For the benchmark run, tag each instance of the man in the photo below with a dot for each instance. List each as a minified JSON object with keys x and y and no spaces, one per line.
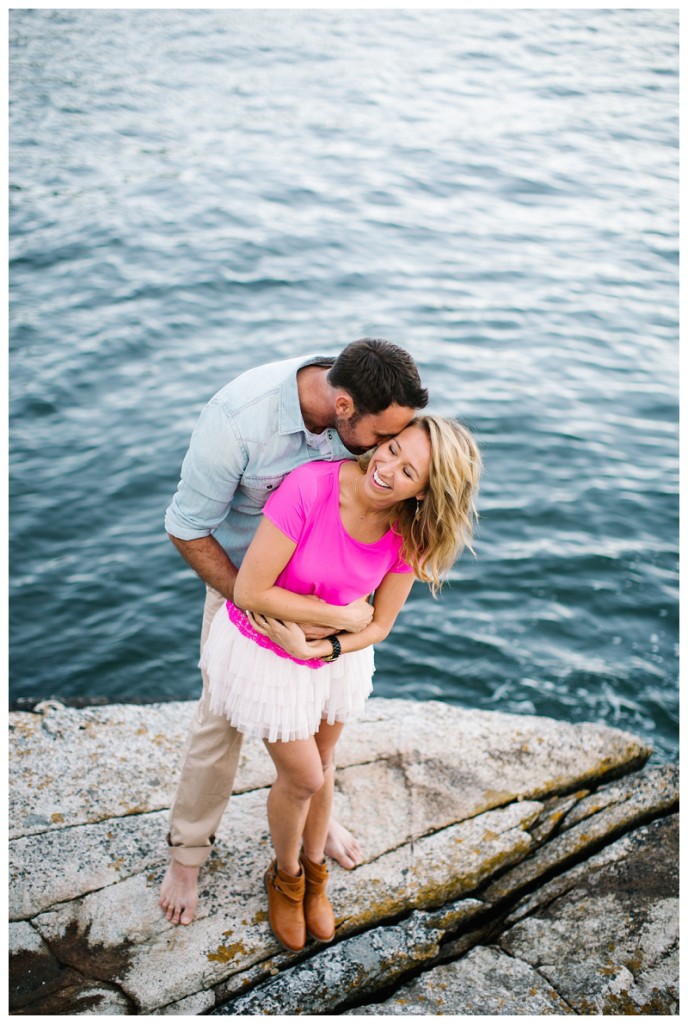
{"x":250,"y":435}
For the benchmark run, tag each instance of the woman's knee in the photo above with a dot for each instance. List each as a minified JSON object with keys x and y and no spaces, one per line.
{"x":304,"y":781}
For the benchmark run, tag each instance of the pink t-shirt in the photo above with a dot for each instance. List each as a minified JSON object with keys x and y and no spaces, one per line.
{"x":328,"y":562}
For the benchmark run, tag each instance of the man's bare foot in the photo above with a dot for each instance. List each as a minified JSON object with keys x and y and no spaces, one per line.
{"x":342,"y":846}
{"x":179,"y":892}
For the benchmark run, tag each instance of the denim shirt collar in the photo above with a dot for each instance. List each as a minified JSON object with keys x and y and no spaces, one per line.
{"x":291,"y":418}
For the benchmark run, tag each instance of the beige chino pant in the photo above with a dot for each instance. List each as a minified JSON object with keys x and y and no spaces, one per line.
{"x":208,"y":770}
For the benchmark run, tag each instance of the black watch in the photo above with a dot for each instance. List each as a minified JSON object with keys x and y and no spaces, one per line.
{"x":336,"y":648}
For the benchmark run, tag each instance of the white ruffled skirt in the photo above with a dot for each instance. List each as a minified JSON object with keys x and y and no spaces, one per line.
{"x":275,"y":698}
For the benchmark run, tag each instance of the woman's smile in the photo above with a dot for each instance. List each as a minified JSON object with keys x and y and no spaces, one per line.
{"x":379,"y":482}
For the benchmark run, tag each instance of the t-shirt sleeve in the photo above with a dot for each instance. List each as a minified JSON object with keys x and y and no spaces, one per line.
{"x":289,"y":506}
{"x":400,"y":566}
{"x":398,"y":563}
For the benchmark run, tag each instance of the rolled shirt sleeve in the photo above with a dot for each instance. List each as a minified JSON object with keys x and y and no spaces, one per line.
{"x":211,"y":471}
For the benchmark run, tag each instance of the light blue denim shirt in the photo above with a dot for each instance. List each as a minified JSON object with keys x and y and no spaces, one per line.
{"x":248,"y":437}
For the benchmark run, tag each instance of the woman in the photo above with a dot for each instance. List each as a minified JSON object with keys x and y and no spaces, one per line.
{"x":333,"y":533}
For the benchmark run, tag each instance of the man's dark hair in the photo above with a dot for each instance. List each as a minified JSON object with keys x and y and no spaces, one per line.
{"x":378,"y":374}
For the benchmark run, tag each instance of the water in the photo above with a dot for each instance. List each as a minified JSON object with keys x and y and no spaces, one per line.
{"x":195,"y":192}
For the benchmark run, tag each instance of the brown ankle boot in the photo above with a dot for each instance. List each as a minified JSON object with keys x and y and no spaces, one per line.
{"x":285,"y":907}
{"x":319,"y":914}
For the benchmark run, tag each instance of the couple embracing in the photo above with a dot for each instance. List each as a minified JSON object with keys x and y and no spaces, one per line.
{"x":308,"y":555}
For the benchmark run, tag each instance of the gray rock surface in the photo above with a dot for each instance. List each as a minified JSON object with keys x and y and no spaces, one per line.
{"x":362,"y":964}
{"x":486,"y":981}
{"x":599,"y":939}
{"x":608,"y":941}
{"x":465,"y":818}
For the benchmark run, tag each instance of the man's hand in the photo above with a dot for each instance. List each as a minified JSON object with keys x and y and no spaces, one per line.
{"x":358,"y":614}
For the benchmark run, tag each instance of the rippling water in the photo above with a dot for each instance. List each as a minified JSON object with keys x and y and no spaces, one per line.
{"x":195,"y":192}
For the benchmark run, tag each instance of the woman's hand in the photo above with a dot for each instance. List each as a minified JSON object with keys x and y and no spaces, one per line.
{"x":358,"y":615}
{"x":287,"y":635}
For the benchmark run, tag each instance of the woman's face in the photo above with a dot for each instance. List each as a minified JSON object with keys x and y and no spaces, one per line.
{"x":400,"y":468}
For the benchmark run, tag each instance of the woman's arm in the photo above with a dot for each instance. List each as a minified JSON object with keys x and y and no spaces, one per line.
{"x":255,"y":590}
{"x":389,"y":599}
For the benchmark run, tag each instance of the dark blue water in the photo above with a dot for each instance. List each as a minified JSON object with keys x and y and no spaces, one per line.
{"x":195,"y":192}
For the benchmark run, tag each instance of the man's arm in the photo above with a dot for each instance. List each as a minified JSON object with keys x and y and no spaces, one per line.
{"x":209,"y":561}
{"x":212,"y":468}
{"x":389,"y":599}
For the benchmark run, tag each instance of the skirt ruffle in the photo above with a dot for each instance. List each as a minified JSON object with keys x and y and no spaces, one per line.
{"x":274,"y":698}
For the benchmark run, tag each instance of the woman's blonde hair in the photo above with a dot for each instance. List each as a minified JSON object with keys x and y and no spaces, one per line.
{"x":436,"y":529}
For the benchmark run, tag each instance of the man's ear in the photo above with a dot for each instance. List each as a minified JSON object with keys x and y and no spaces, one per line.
{"x":344,"y":405}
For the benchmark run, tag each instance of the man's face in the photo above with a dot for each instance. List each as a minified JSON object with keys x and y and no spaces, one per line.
{"x":360,"y":433}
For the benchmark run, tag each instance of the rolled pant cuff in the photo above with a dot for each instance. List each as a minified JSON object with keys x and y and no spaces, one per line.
{"x":190,"y":856}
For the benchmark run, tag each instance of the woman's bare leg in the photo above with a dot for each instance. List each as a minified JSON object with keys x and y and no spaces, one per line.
{"x":317,"y":823}
{"x":299,"y":777}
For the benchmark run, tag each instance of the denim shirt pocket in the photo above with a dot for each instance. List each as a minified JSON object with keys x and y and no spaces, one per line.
{"x":254,"y":491}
